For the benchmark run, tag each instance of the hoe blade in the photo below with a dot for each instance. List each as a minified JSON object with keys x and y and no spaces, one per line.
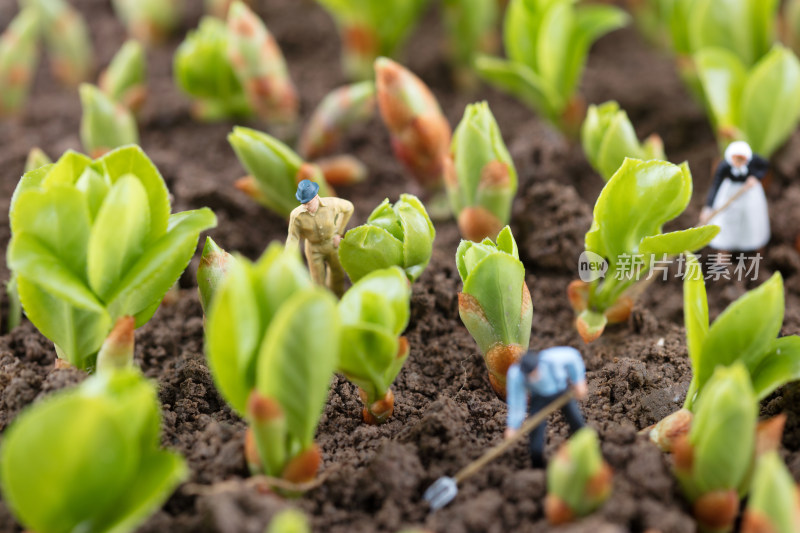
{"x":441,"y":492}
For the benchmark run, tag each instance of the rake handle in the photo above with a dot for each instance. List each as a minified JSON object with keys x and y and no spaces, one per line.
{"x":727,"y":204}
{"x":526,"y":428}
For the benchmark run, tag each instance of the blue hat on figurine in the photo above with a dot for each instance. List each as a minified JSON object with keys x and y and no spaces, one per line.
{"x":306,"y":191}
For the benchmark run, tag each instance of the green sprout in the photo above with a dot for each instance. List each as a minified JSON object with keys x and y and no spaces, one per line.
{"x":714,"y":461}
{"x":94,"y":241}
{"x":203,"y":72}
{"x":214,"y":265}
{"x":608,"y":138}
{"x":274,"y":170}
{"x":235,"y":70}
{"x":471,"y":30}
{"x":480,"y":175}
{"x":578,"y":479}
{"x":394,"y":235}
{"x":341,"y":109}
{"x":746,"y":331}
{"x":547,"y":44}
{"x":746,"y":28}
{"x":774,"y":503}
{"x":374,"y":312}
{"x":289,"y":521}
{"x":626,"y":234}
{"x":125,"y":79}
{"x":739,"y":106}
{"x":419,"y":130}
{"x":371,"y":29}
{"x":149,"y":21}
{"x":19,"y":55}
{"x":67,"y":39}
{"x":105,"y":124}
{"x":111,"y":477}
{"x":272,"y":342}
{"x":259,"y":64}
{"x":495,"y":303}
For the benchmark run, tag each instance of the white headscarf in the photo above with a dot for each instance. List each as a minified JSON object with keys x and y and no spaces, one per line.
{"x":738,"y":148}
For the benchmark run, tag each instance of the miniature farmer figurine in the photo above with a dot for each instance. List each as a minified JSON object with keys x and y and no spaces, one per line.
{"x":321,"y":222}
{"x":743,"y":221}
{"x":544,"y":375}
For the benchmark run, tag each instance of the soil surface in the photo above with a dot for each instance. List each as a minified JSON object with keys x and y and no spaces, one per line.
{"x":446,"y":413}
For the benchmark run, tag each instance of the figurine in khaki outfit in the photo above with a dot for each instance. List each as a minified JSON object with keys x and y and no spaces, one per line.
{"x":321,"y":222}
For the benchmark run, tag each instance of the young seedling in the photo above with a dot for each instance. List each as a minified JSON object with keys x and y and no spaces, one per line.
{"x":608,"y":138}
{"x":495,"y":303}
{"x":747,"y":331}
{"x":67,"y":40}
{"x":342,"y":169}
{"x":272,"y":342}
{"x":125,"y":79}
{"x":394,"y":235}
{"x":758,"y":104}
{"x":547,"y":44}
{"x":235,"y":70}
{"x":19,"y":55}
{"x":420,"y":132}
{"x":111,"y":477}
{"x":94,"y":241}
{"x":480,"y":175}
{"x":578,"y":479}
{"x":214,"y":265}
{"x":745,"y":28}
{"x":626,"y":237}
{"x":274,"y":170}
{"x":471,"y":27}
{"x":374,"y":312}
{"x":774,"y":503}
{"x":149,"y":21}
{"x":105,"y":124}
{"x":341,"y":109}
{"x":258,"y":62}
{"x":370,"y":29}
{"x":202,"y":70}
{"x":713,"y":462}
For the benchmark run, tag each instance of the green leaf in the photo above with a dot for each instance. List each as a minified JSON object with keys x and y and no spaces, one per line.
{"x":744,"y":331}
{"x":60,"y":488}
{"x":497,"y":284}
{"x":66,"y":170}
{"x":770,"y":109}
{"x":234,"y":330}
{"x":676,"y":242}
{"x":555,"y":37}
{"x":520,"y":31}
{"x":368,"y":248}
{"x":506,"y":242}
{"x":778,"y":367}
{"x":76,"y":332}
{"x":367,"y":351}
{"x":695,"y":310}
{"x":773,"y":495}
{"x":57,"y":218}
{"x":386,"y":289}
{"x":298,"y":357}
{"x":523,"y":83}
{"x":418,"y":235}
{"x":118,"y":234}
{"x":723,"y":76}
{"x":160,"y":266}
{"x":278,"y":275}
{"x":634,"y":204}
{"x":131,"y":160}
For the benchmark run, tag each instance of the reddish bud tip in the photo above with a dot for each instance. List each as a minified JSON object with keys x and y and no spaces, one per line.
{"x":303,"y":466}
{"x":578,"y":295}
{"x":557,"y":511}
{"x":769,"y":434}
{"x":495,"y":175}
{"x":263,"y":409}
{"x":477,"y":223}
{"x":377,"y":412}
{"x":717,"y":510}
{"x":620,"y":311}
{"x":498,"y":360}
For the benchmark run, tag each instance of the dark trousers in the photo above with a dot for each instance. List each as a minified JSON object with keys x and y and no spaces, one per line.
{"x":571,"y":412}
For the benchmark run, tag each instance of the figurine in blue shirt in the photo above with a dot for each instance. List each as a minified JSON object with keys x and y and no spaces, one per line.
{"x":544,"y":375}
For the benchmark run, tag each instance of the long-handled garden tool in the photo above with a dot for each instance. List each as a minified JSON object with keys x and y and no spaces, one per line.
{"x":445,"y":488}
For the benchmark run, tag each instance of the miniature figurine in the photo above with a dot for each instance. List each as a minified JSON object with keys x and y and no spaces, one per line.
{"x":321,"y":223}
{"x":545,"y":376}
{"x":736,"y":201}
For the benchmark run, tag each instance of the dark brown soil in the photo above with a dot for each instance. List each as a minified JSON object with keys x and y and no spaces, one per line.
{"x":446,"y":413}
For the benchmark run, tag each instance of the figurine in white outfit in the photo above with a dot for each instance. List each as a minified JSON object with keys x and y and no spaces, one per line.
{"x":744,"y":224}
